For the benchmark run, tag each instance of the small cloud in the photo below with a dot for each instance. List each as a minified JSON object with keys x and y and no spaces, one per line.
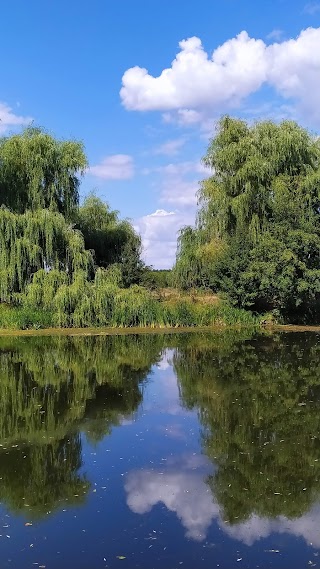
{"x":312,"y":8}
{"x":275,"y":35}
{"x":171,"y":147}
{"x":9,"y":120}
{"x":159,"y":231}
{"x":183,"y":117}
{"x":116,"y":167}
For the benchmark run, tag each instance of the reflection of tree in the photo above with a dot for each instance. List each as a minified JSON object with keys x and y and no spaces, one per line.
{"x":259,"y":405}
{"x":49,"y":389}
{"x":39,"y":478}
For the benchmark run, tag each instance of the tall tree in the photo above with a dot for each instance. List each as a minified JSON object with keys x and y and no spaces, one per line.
{"x":39,"y":171}
{"x":257,"y":235}
{"x":34,"y":241}
{"x":112,"y":240}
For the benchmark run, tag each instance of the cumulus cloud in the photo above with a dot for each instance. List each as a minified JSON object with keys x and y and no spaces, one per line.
{"x":181,"y":487}
{"x":159,"y":236}
{"x":8,"y":119}
{"x":115,"y":167}
{"x":198,"y":85}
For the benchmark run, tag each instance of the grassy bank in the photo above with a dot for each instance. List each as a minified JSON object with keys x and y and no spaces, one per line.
{"x":127,"y":308}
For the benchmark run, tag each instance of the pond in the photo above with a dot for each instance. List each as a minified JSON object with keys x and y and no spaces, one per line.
{"x":196,"y":450}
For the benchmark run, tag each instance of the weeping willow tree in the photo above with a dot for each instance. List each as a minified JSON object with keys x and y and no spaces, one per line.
{"x":38,"y":171}
{"x":257,"y":235}
{"x":40,"y":240}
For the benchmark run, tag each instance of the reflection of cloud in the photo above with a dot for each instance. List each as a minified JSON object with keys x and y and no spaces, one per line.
{"x":182,"y":490}
{"x":174,"y":431}
{"x":257,"y":528}
{"x":180,"y":485}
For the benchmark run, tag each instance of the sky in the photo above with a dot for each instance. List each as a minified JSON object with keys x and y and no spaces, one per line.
{"x":142,"y":84}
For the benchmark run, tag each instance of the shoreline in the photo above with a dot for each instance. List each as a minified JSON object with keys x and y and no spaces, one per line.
{"x":156,"y":330}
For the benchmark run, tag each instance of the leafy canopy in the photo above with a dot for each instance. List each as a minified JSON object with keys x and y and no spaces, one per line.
{"x":46,"y":238}
{"x":257,"y":236}
{"x":39,"y":171}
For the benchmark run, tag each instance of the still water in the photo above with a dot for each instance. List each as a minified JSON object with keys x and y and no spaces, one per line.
{"x":160,"y":451}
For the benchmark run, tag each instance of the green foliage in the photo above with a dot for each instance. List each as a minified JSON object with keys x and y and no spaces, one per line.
{"x":34,"y":241}
{"x":103,"y":303}
{"x":24,"y":318}
{"x":59,"y":263}
{"x":113,"y":241}
{"x":37,"y":171}
{"x":258,"y":228}
{"x":155,"y":279}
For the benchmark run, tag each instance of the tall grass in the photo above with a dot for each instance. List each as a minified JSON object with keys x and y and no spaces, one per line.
{"x":50,"y":301}
{"x":24,"y":318}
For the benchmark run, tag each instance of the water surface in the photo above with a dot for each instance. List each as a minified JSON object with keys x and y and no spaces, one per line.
{"x":198,"y":450}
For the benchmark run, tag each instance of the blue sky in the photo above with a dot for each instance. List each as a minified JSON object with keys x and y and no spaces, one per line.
{"x":65,"y":62}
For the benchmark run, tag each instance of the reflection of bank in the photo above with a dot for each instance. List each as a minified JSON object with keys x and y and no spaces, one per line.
{"x":50,"y":390}
{"x":181,"y":487}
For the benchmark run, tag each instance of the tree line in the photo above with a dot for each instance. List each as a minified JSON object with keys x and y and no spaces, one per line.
{"x":256,"y":240}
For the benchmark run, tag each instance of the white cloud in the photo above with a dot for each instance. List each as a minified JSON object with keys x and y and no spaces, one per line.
{"x":10,"y":120}
{"x":179,"y":182}
{"x":176,"y":190}
{"x":159,"y":236}
{"x":171,"y":147}
{"x":312,"y":8}
{"x":178,"y":185}
{"x":116,"y":167}
{"x":181,"y":487}
{"x":276,"y":35}
{"x":198,"y":85}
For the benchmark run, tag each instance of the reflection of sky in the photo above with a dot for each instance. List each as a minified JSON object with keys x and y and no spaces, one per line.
{"x":163,"y":395}
{"x":149,"y":503}
{"x":180,"y":485}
